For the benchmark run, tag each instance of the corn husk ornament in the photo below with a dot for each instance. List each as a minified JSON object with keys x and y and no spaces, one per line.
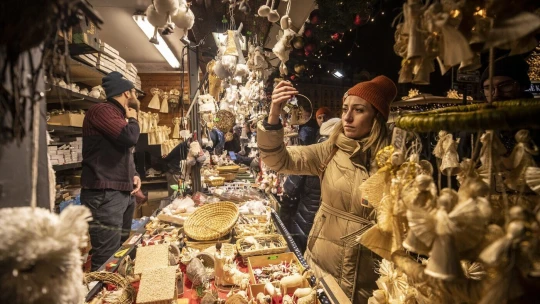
{"x":515,"y":33}
{"x":501,"y":255}
{"x":446,"y":152}
{"x":491,"y":156}
{"x":230,"y":57}
{"x":164,"y":103}
{"x":176,"y":130}
{"x":384,"y":237}
{"x":154,"y":102}
{"x":424,"y":196}
{"x":520,"y":159}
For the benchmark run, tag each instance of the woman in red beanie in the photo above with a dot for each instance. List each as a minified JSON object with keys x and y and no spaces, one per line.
{"x":343,"y":163}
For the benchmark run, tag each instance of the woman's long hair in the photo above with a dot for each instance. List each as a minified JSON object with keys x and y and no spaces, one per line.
{"x":376,"y":139}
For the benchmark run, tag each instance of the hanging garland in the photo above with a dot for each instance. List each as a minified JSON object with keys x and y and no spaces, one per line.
{"x":506,"y":115}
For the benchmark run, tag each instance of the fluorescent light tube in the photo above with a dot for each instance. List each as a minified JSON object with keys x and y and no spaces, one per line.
{"x":162,"y":47}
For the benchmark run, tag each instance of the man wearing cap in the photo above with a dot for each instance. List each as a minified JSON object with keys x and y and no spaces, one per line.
{"x":510,"y":80}
{"x":108,"y":171}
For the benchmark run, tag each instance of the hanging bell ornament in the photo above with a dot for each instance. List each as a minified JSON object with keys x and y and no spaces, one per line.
{"x":298,"y":42}
{"x":299,"y":68}
{"x":357,"y":20}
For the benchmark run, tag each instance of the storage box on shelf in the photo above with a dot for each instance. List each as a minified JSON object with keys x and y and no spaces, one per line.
{"x":67,"y":119}
{"x":85,"y":38}
{"x":70,"y":153}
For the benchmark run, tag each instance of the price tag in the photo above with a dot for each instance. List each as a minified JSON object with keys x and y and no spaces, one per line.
{"x":273,"y":257}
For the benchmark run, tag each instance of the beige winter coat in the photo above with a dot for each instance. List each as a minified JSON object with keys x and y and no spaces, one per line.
{"x":341,"y":213}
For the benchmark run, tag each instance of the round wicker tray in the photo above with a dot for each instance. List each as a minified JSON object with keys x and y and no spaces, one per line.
{"x":225,"y":120}
{"x":212,"y":221}
{"x":227,"y":169}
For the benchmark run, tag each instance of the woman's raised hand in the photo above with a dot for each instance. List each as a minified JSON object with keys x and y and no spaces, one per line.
{"x":282,"y":92}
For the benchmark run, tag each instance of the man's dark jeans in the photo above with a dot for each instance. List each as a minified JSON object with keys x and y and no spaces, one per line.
{"x":112,"y":212}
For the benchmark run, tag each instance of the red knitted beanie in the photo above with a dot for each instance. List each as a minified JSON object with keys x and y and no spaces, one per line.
{"x":379,"y":92}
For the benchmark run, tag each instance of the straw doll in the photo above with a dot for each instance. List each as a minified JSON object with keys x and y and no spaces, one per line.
{"x":446,"y":152}
{"x":424,"y":196}
{"x":520,"y":159}
{"x":490,"y":156}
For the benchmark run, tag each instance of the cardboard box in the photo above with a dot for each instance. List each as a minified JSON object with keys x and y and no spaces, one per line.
{"x":68,"y":36}
{"x":67,"y":119}
{"x":149,"y":207}
{"x":271,"y":259}
{"x":85,"y":38}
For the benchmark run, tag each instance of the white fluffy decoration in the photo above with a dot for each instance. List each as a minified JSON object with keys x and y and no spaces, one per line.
{"x":184,"y":18}
{"x":241,"y":70}
{"x":229,"y":63}
{"x":40,"y":259}
{"x":156,"y":19}
{"x":167,"y":7}
{"x":220,"y":71}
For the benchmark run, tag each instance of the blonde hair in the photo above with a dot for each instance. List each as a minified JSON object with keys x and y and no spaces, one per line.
{"x":378,"y":136}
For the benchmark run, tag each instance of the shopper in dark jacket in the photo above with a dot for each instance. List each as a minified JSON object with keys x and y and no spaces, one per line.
{"x":302,"y":198}
{"x":510,"y":81}
{"x":174,"y":169}
{"x":108,"y":175}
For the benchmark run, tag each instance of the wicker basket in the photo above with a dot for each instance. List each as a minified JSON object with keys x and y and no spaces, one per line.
{"x":212,"y":221}
{"x":225,"y":120}
{"x":202,"y":245}
{"x":128,"y":293}
{"x":228,"y":169}
{"x":277,"y":239}
{"x":229,"y":177}
{"x":243,"y":169}
{"x":215,"y":182}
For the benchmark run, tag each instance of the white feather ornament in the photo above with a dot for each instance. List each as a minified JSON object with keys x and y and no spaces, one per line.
{"x":184,"y":18}
{"x":157,"y":20}
{"x":40,"y":255}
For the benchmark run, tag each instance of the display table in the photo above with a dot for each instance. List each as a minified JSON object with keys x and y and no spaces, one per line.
{"x":189,"y":294}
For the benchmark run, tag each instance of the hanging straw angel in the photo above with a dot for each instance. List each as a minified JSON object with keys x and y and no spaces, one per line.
{"x":176,"y":130}
{"x":520,"y":159}
{"x":446,"y":151}
{"x":490,"y":156}
{"x":424,"y":196}
{"x":154,"y":102}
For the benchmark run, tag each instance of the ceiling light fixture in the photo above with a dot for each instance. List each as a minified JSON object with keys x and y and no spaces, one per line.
{"x":162,"y":47}
{"x":337,"y":74}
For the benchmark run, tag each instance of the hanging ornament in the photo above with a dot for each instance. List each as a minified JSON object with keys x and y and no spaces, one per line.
{"x":299,"y":68}
{"x":308,"y":33}
{"x":335,"y":36}
{"x":310,"y":47}
{"x":357,"y":20}
{"x":314,"y":17}
{"x":298,"y":42}
{"x":307,"y":53}
{"x":293,"y":77}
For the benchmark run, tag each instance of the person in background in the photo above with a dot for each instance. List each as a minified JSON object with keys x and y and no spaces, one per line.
{"x":233,"y":145}
{"x":510,"y":81}
{"x":308,"y":132}
{"x":174,"y":168}
{"x":302,"y":196}
{"x":108,"y":176}
{"x":323,"y":114}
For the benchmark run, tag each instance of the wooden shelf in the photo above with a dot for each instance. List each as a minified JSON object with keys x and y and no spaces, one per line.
{"x":81,"y":72}
{"x":155,"y":181}
{"x":91,"y":76}
{"x":67,"y":166}
{"x":64,"y":130}
{"x":60,"y":95}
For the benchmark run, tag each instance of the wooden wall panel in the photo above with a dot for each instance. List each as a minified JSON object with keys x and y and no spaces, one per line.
{"x":166,"y":82}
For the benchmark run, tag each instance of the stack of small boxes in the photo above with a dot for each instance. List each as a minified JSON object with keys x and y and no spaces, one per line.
{"x":66,"y":154}
{"x":90,"y":59}
{"x":131,"y":75}
{"x":107,"y":58}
